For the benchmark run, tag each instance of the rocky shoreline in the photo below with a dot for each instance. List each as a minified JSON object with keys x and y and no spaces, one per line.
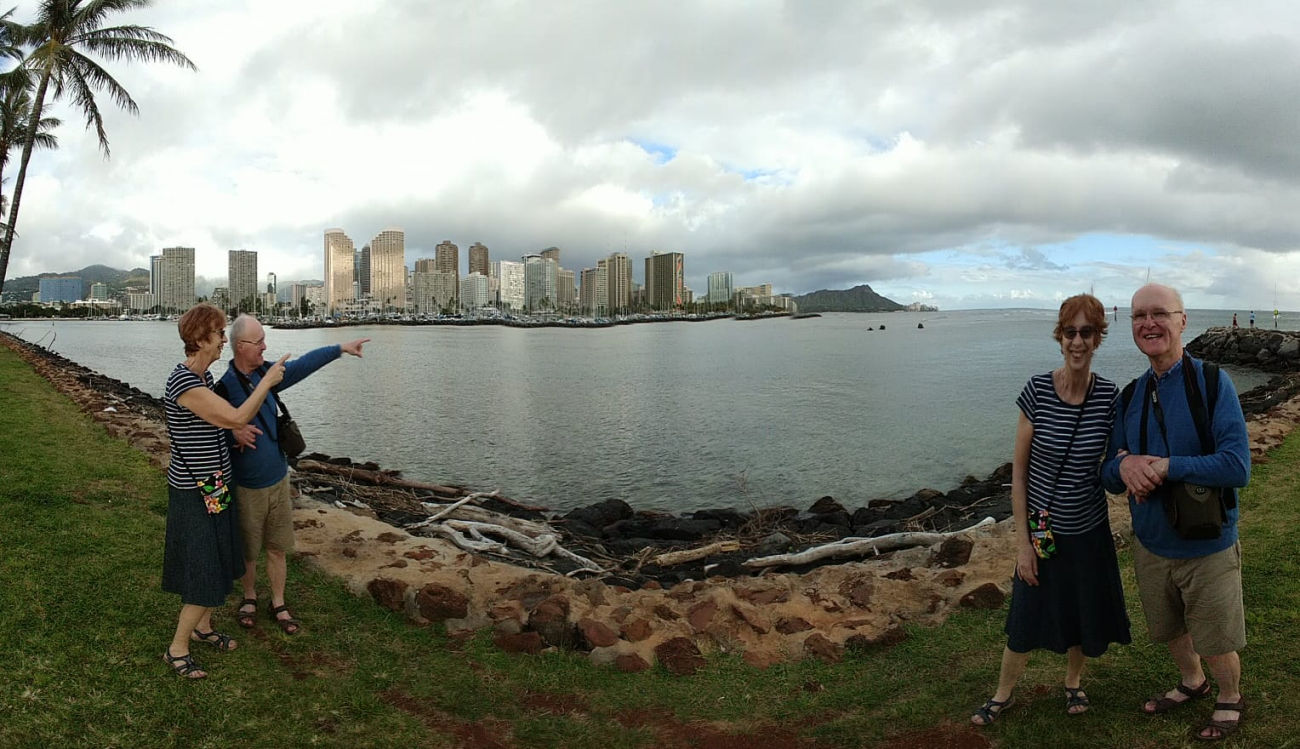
{"x":640,"y":611}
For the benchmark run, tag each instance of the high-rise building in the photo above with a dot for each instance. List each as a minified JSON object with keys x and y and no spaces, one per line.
{"x":339,"y":269}
{"x":510,"y":284}
{"x":552,"y":253}
{"x":177,"y":279}
{"x":425,"y":265}
{"x":242,"y":280}
{"x":363,"y":272}
{"x":478,"y":259}
{"x":539,"y":283}
{"x":155,"y":277}
{"x":474,"y":292}
{"x":60,"y":289}
{"x":593,"y":295}
{"x":665,"y":275}
{"x":99,"y":292}
{"x":566,"y":293}
{"x":446,"y":259}
{"x":720,"y":287}
{"x":388,"y":269}
{"x":618,"y":282}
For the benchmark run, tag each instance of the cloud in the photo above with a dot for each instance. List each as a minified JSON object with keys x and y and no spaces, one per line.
{"x":911,"y":145}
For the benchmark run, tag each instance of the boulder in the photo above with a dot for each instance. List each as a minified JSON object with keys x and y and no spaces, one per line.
{"x":826,"y":505}
{"x":523,"y":642}
{"x":550,"y":619}
{"x":953,"y":552}
{"x":438,"y":603}
{"x":820,"y":646}
{"x":986,"y":596}
{"x":630,"y":663}
{"x":680,"y":656}
{"x":600,"y":514}
{"x":594,"y":634}
{"x":391,"y":594}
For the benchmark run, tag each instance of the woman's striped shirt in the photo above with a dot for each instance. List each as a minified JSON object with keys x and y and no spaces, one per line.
{"x":201,"y":445}
{"x":1076,"y":503}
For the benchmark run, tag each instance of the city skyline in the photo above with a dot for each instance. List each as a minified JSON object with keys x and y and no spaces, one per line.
{"x":1005,"y":154}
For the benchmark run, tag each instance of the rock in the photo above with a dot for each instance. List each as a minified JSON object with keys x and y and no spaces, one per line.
{"x":791,"y":625}
{"x":388,"y":538}
{"x":763,"y":596}
{"x":729,"y":519}
{"x":438,"y":603}
{"x":826,"y":505}
{"x":701,"y":615}
{"x":550,"y":619}
{"x":674,"y":529}
{"x":752,"y":617}
{"x":902,"y":573}
{"x":391,"y":594}
{"x":1289,"y":349}
{"x":888,"y":638}
{"x":773,"y":543}
{"x":950,"y":578}
{"x":595,"y":634}
{"x":524,"y":642}
{"x":858,"y":590}
{"x":820,"y":646}
{"x":636,"y":630}
{"x":601,"y":514}
{"x":419,"y":554}
{"x":680,"y":656}
{"x":986,"y":596}
{"x":953,"y":552}
{"x":630,"y":663}
{"x":530,"y":591}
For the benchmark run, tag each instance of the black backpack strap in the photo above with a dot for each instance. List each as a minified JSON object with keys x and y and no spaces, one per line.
{"x":1203,"y":412}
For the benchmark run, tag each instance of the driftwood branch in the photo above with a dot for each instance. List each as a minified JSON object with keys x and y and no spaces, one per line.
{"x":449,"y":509}
{"x":853,"y":547}
{"x":690,"y":555}
{"x":380,"y":478}
{"x":546,"y":544}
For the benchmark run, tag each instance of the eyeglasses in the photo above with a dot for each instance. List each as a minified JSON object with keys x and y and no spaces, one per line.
{"x":1155,"y":315}
{"x":221,"y":333}
{"x":1086,"y":333}
{"x":258,"y":342}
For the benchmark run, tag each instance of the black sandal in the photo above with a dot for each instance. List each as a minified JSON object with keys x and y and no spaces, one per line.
{"x":1164,"y":704}
{"x":183,"y":665}
{"x":215,"y":639}
{"x":1075,"y":697}
{"x":1224,"y":728}
{"x":288,"y":626}
{"x":247,"y":619}
{"x":991,"y":710}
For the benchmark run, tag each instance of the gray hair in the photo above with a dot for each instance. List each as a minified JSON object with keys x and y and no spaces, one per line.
{"x":240,"y":326}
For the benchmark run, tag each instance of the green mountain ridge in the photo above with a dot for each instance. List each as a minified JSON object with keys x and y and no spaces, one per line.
{"x":857,"y":299}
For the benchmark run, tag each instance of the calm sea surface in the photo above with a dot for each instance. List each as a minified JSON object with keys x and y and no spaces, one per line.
{"x":674,"y":416}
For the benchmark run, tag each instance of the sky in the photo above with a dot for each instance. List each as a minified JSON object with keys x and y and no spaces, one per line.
{"x":957,"y":153}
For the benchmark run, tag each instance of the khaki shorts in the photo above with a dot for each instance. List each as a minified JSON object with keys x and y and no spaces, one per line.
{"x":265,"y":517}
{"x":1200,"y":596}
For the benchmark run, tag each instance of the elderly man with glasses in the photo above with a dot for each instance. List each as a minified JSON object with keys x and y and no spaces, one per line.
{"x":1180,"y":424}
{"x":261,"y":469}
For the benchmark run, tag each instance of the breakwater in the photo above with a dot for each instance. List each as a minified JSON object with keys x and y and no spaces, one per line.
{"x":1259,"y":348}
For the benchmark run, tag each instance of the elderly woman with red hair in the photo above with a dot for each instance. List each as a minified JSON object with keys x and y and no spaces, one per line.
{"x":202,"y":555}
{"x":1066,"y":593}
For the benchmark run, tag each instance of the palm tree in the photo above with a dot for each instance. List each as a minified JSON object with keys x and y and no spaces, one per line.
{"x":15,"y":114}
{"x":63,"y":29}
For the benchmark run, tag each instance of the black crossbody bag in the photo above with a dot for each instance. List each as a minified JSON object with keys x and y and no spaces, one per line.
{"x":287,"y":434}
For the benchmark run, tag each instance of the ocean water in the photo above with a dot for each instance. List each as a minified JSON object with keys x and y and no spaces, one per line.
{"x":674,"y":417}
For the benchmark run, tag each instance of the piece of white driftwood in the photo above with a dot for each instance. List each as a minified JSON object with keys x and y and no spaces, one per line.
{"x":852,"y":547}
{"x":545,"y":544}
{"x":444,"y":512}
{"x":468,"y":544}
{"x":690,"y":555}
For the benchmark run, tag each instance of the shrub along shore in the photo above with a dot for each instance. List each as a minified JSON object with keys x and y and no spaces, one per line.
{"x":83,"y":623}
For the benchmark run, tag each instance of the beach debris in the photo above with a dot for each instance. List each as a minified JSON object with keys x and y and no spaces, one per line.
{"x":690,"y":555}
{"x":854,"y":547}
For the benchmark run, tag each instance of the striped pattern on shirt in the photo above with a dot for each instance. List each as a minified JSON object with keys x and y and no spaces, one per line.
{"x":200,"y":444}
{"x":1077,"y":502}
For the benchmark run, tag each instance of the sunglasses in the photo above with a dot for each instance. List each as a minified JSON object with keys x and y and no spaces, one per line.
{"x":1087,"y":332}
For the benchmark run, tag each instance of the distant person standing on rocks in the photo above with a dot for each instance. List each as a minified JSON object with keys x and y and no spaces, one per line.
{"x":1234,"y":319}
{"x":261,"y":469}
{"x":201,"y":554}
{"x":1066,"y":594}
{"x":1177,"y":432}
{"x":1252,"y":318}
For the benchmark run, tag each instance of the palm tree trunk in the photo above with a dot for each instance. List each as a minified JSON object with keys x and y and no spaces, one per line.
{"x":29,"y":142}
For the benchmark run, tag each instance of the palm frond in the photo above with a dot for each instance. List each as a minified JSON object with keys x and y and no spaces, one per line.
{"x":83,"y":96}
{"x":135,"y":43}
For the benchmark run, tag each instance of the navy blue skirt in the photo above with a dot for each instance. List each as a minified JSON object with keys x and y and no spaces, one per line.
{"x":202,"y":554}
{"x":1079,"y":599}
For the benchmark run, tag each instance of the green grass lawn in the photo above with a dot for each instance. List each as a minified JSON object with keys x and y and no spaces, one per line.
{"x":83,"y":624}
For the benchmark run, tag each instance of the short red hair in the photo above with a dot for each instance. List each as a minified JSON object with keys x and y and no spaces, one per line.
{"x":1092,"y":311}
{"x":201,"y":321}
